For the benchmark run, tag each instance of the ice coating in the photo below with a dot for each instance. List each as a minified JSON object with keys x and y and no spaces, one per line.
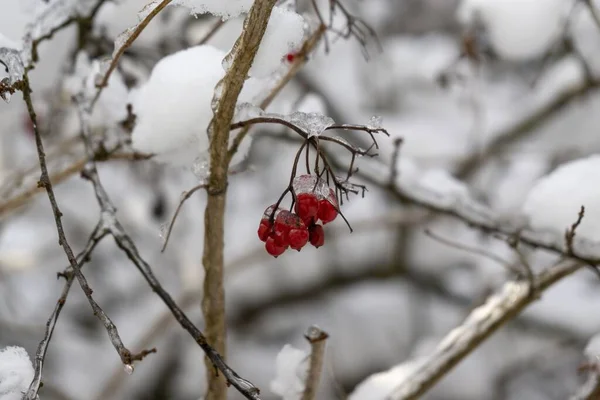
{"x":311,"y":184}
{"x":376,"y":122}
{"x":312,"y":123}
{"x":13,"y":63}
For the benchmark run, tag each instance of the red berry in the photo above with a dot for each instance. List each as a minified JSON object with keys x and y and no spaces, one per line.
{"x":298,"y":238}
{"x":327,"y":211}
{"x":290,"y":57}
{"x":284,"y":223}
{"x":316,"y":235}
{"x":307,"y":206}
{"x":264,"y":229}
{"x":272,"y":248}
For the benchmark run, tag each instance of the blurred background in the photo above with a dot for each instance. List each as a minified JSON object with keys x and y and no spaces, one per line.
{"x":493,"y":97}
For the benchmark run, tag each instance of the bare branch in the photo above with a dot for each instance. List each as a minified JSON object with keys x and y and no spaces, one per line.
{"x":317,"y":339}
{"x":126,"y":356}
{"x":126,"y":244}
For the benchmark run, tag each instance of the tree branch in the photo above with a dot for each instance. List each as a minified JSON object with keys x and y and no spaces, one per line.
{"x":317,"y":338}
{"x":213,"y":302}
{"x":479,"y":325}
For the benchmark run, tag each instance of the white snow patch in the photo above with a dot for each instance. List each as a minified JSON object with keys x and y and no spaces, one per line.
{"x":16,"y":372}
{"x":379,"y":386}
{"x":224,"y":9}
{"x":292,"y":368}
{"x":174,"y":107}
{"x":555,"y":200}
{"x":518,"y":29}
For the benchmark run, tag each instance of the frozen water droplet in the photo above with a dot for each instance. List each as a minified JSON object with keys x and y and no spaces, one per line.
{"x":245,"y":111}
{"x":128,"y":369}
{"x":312,"y":123}
{"x":376,"y":122}
{"x":6,"y":96}
{"x":164,"y":228}
{"x":201,"y":168}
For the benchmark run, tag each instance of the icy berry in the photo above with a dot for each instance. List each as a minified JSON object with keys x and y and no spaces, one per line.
{"x":327,"y":211}
{"x":264,"y":229}
{"x":286,"y":222}
{"x":272,"y":247}
{"x":307,"y":206}
{"x":316,"y":235}
{"x":298,"y":238}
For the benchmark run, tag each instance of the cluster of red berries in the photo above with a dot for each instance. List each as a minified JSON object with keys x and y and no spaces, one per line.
{"x":281,"y":229}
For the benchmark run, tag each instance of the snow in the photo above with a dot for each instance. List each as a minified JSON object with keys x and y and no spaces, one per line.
{"x":291,"y":369}
{"x":114,"y":18}
{"x":174,"y":107}
{"x":380,"y":385}
{"x":112,"y":103}
{"x":592,"y":350}
{"x":16,"y":372}
{"x":518,"y":29}
{"x":224,"y":9}
{"x":555,"y":200}
{"x":284,"y":34}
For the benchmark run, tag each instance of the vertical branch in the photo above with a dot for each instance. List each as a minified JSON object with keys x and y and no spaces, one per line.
{"x":317,"y":338}
{"x":213,"y":302}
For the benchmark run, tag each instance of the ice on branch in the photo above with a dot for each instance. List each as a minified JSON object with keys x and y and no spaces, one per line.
{"x":174,"y":107}
{"x":224,"y":9}
{"x":123,"y":38}
{"x":376,"y":122}
{"x":48,"y":17}
{"x":11,"y":60}
{"x":555,"y":200}
{"x":313,"y":123}
{"x":16,"y":372}
{"x":517,"y":29}
{"x":291,"y":370}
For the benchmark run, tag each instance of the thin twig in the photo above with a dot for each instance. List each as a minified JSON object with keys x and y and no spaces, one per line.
{"x":135,"y":32}
{"x":211,"y":32}
{"x":126,"y":244}
{"x":317,"y":339}
{"x":126,"y":356}
{"x":470,"y":249}
{"x":184,"y":198}
{"x":65,"y":173}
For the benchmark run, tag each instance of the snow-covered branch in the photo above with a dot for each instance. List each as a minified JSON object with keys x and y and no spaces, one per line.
{"x":482,"y":322}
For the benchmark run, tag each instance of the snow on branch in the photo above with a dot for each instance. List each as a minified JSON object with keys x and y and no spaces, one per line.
{"x":417,"y":377}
